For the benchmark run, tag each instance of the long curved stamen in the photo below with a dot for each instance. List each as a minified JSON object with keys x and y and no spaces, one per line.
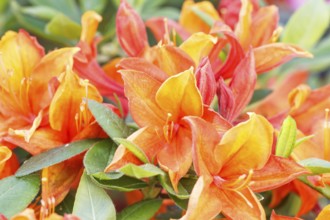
{"x":327,"y":136}
{"x":241,"y":182}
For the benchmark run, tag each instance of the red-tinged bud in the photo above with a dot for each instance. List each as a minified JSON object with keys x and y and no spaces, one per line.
{"x":205,"y":81}
{"x":226,"y":100}
{"x":243,"y":83}
{"x":131,"y":30}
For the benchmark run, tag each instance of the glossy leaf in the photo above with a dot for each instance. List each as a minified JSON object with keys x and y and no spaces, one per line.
{"x":111,"y":123}
{"x":314,"y":15}
{"x":133,"y":148}
{"x":141,"y":210}
{"x":260,"y":94}
{"x":316,"y":165}
{"x":54,"y":156}
{"x":99,"y":156}
{"x":42,"y":12}
{"x":17,"y":193}
{"x":166,"y":183}
{"x":143,"y":171}
{"x":92,"y":202}
{"x":287,"y":138}
{"x":123,"y":183}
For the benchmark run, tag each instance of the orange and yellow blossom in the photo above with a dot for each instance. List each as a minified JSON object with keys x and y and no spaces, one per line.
{"x":44,"y":105}
{"x":157,"y":104}
{"x":308,"y":108}
{"x":8,"y":162}
{"x":233,"y":166}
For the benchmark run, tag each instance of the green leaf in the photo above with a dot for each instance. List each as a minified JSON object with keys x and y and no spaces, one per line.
{"x":260,"y":94}
{"x":325,"y":191}
{"x":63,"y":27}
{"x":308,"y":24}
{"x":67,"y":7}
{"x":134,"y":149}
{"x":54,"y":156}
{"x":66,"y":205}
{"x":99,"y":156}
{"x":316,"y":165}
{"x":124,"y":183}
{"x":141,"y":210}
{"x":17,"y":193}
{"x":41,"y":12}
{"x":92,"y":202}
{"x":287,"y":138}
{"x":143,"y":171}
{"x":95,"y":5}
{"x":111,"y":123}
{"x":166,"y":183}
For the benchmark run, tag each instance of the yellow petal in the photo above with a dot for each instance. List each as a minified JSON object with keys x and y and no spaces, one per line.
{"x":27,"y":133}
{"x":204,"y":202}
{"x":68,"y":110}
{"x":27,"y":214}
{"x":5,"y":154}
{"x":198,"y":46}
{"x":179,"y":96}
{"x":298,"y":96}
{"x":243,"y":26}
{"x":193,"y":23}
{"x":246,"y":146}
{"x":89,"y":21}
{"x":324,"y":214}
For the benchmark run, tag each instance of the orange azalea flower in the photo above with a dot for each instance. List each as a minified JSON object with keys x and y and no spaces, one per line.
{"x":27,"y":85}
{"x":257,"y":27}
{"x":158,"y":110}
{"x":307,"y":107}
{"x":29,"y":214}
{"x":87,"y":67}
{"x":231,"y":167}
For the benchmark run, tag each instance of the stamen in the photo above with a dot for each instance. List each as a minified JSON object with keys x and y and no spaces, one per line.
{"x":246,"y":181}
{"x":327,"y":136}
{"x":168,"y":128}
{"x":244,"y":198}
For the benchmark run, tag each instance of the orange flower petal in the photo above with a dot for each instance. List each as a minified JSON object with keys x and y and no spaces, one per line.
{"x":280,"y":193}
{"x":140,"y":89}
{"x":245,"y":146}
{"x":242,"y":30}
{"x":193,"y":23}
{"x":204,"y":202}
{"x":142,"y":65}
{"x":272,"y":55}
{"x":298,"y":96}
{"x":170,"y":59}
{"x":277,"y":172}
{"x":241,"y":205}
{"x":50,"y":66}
{"x":184,"y":100}
{"x":147,"y":139}
{"x":130,"y":30}
{"x":58,"y":179}
{"x":308,"y":196}
{"x":242,"y":85}
{"x":204,"y":141}
{"x":264,"y":23}
{"x":90,"y":21}
{"x":27,"y":214}
{"x":43,"y":139}
{"x":271,"y":105}
{"x":198,"y":46}
{"x":176,"y":157}
{"x":68,"y":110}
{"x":111,"y":69}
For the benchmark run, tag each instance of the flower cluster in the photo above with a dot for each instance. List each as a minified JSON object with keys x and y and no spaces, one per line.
{"x":189,"y":127}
